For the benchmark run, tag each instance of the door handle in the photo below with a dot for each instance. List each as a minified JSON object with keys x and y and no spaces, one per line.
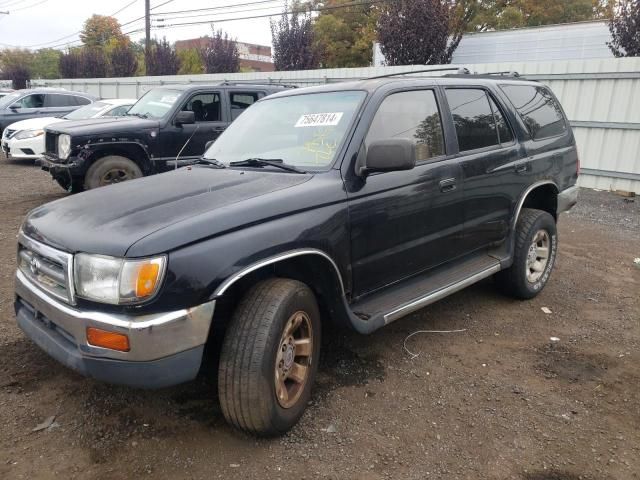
{"x":447,"y":185}
{"x":219,"y":129}
{"x":521,"y":167}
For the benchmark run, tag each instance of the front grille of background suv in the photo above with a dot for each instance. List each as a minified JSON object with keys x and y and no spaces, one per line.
{"x":46,"y":267}
{"x":51,"y":144}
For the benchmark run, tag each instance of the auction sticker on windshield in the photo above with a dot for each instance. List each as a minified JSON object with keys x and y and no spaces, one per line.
{"x":319,"y":119}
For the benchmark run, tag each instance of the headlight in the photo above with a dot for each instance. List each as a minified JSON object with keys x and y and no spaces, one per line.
{"x":24,"y":134}
{"x":117,"y":280}
{"x":64,"y":146}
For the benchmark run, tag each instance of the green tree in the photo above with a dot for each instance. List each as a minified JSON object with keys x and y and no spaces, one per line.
{"x":190,"y":62}
{"x":46,"y":63}
{"x":504,"y":14}
{"x":344,"y":36}
{"x":98,"y":30}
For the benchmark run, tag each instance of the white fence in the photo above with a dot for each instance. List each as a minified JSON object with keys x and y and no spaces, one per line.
{"x":601,"y":98}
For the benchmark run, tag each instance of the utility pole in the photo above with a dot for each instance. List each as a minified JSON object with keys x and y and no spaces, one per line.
{"x":147,"y":31}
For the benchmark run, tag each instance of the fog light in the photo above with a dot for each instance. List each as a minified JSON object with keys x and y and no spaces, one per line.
{"x":110,"y":340}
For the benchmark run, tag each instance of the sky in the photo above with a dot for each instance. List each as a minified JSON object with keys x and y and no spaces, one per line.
{"x":37,"y":23}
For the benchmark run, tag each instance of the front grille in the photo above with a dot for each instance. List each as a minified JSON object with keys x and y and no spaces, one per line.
{"x":48,"y":268}
{"x":51,"y":143}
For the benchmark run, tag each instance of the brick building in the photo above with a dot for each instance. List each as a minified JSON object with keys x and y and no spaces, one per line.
{"x":255,"y":58}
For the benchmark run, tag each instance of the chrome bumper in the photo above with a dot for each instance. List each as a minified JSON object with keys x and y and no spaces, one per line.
{"x":151,"y":337}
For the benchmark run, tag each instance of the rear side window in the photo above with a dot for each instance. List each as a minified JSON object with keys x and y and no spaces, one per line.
{"x":539,"y":111}
{"x":241,"y":101}
{"x":413,"y":115}
{"x":504,"y":133}
{"x":473,"y":118}
{"x":82,"y":101}
{"x":55,"y":100}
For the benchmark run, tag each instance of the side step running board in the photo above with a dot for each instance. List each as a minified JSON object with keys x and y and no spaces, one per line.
{"x":383,"y":307}
{"x":433,"y":297}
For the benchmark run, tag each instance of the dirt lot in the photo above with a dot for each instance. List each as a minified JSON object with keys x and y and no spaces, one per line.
{"x":497,"y":401}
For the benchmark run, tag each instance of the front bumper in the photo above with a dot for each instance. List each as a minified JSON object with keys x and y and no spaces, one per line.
{"x":166,"y":348}
{"x":567,"y":199}
{"x":15,"y":147}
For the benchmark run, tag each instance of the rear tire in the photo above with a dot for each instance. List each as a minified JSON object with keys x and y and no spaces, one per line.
{"x":534,"y":255}
{"x":269,"y":357}
{"x":109,"y":170}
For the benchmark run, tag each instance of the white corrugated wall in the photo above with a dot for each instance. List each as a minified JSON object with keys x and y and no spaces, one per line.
{"x":601,"y":98}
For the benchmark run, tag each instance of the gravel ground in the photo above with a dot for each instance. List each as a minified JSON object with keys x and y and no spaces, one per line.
{"x":496,"y":401}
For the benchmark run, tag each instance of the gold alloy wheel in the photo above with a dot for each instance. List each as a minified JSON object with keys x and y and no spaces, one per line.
{"x":538,"y":255}
{"x":293,"y":360}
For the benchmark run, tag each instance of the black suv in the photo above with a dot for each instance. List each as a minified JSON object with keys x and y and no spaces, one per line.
{"x":168,"y":126}
{"x":39,"y":102}
{"x":356,"y":203}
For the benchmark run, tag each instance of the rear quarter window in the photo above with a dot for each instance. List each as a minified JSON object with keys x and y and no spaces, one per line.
{"x":538,"y":109}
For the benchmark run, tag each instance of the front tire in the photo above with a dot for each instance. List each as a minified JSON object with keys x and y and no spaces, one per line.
{"x":110,"y":170}
{"x":534,"y":255}
{"x":269,"y":357}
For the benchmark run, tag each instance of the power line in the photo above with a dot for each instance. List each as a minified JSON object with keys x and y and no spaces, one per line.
{"x":268,"y":15}
{"x":123,"y":8}
{"x":55,"y":41}
{"x":197,"y":15}
{"x":216,"y":8}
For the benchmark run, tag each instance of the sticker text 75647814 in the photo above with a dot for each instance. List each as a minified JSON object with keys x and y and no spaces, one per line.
{"x":319,"y":119}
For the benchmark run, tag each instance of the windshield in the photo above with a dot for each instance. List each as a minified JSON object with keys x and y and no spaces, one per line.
{"x":9,"y":99}
{"x":88,"y":111}
{"x":301,"y":130}
{"x":156,"y":103}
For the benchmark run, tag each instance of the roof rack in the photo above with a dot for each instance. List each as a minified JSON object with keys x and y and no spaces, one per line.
{"x":458,"y":70}
{"x":253,"y":82}
{"x":511,"y":73}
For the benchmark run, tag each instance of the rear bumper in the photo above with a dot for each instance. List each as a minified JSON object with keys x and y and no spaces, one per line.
{"x":567,"y":199}
{"x":166,"y":348}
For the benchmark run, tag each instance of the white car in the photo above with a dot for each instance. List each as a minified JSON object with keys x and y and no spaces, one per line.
{"x":25,"y":139}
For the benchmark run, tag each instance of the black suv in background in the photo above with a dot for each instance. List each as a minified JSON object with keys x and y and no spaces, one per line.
{"x":168,"y":126}
{"x":39,"y":102}
{"x":356,"y":203}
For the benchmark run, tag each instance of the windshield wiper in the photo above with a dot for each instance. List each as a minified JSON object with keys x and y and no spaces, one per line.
{"x":211,"y":161}
{"x":139,"y":115}
{"x":270,"y":162}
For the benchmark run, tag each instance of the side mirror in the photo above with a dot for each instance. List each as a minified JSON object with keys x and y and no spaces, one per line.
{"x":185,"y":118}
{"x":208,"y":144}
{"x":389,"y":156}
{"x":14,"y":107}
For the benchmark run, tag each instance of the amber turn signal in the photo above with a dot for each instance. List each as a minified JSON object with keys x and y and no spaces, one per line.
{"x":147,"y":279}
{"x":110,"y":340}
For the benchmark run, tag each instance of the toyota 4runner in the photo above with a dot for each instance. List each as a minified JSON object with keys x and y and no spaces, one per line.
{"x":356,"y":203}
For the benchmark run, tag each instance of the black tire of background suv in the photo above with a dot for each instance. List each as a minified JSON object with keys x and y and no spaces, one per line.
{"x":513,"y":280}
{"x":104,"y":164}
{"x":76,"y":185}
{"x":246,"y":373}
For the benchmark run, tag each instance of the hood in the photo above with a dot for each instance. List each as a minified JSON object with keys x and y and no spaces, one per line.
{"x":104,"y":125}
{"x":34,"y":123}
{"x":109,"y":220}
